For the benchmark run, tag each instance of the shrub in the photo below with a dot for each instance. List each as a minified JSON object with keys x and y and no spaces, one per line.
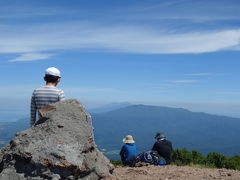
{"x":181,"y":156}
{"x":198,"y":158}
{"x":233,"y":163}
{"x":217,"y":159}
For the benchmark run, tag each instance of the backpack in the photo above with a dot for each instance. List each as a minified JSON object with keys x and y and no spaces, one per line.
{"x":157,"y":159}
{"x":144,"y":157}
{"x":151,"y":157}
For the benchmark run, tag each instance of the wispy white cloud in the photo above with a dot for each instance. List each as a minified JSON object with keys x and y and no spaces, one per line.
{"x":14,"y":90}
{"x":204,"y":74}
{"x":194,"y":18}
{"x":89,"y":90}
{"x":199,"y":74}
{"x":36,"y":41}
{"x":231,"y":93}
{"x":198,"y":11}
{"x":127,"y":39}
{"x":22,"y":10}
{"x":31,"y":57}
{"x":184,"y":81}
{"x":26,"y":90}
{"x":29,"y":88}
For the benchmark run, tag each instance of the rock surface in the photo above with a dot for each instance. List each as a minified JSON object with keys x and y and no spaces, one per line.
{"x":61,"y":147}
{"x":171,"y":172}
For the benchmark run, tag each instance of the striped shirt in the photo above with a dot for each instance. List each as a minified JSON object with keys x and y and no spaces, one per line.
{"x":43,"y":96}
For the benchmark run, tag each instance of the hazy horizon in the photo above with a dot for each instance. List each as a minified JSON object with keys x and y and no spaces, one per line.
{"x":15,"y":109}
{"x":181,"y":53}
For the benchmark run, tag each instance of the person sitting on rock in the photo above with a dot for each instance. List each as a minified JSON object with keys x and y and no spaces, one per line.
{"x":163,"y":147}
{"x":128,"y":151}
{"x":47,"y":94}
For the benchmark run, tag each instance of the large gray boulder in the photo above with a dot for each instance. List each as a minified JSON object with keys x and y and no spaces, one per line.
{"x":60,"y":147}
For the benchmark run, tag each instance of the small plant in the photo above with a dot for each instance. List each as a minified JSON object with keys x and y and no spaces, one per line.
{"x":116,"y":162}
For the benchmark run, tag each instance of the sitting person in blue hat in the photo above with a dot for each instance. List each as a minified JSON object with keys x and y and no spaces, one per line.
{"x":128,"y":151}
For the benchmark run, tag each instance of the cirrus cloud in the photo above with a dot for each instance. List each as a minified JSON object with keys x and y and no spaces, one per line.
{"x":184,"y":81}
{"x":31,"y":57}
{"x":35,"y":41}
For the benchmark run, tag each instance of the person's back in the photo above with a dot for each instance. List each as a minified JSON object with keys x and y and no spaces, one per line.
{"x":47,"y":94}
{"x":163,"y":147}
{"x":128,"y":151}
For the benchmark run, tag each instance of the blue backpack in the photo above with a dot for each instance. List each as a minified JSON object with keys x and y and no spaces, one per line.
{"x":157,"y":159}
{"x":151,"y":157}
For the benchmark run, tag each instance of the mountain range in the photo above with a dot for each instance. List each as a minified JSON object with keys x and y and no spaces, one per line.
{"x":109,"y":107}
{"x":192,"y":130}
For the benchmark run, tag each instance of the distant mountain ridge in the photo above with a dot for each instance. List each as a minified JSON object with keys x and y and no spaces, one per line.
{"x":192,"y":130}
{"x":8,"y":129}
{"x":109,"y":107}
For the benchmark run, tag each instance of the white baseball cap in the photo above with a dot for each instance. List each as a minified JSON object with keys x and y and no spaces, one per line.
{"x":53,"y":71}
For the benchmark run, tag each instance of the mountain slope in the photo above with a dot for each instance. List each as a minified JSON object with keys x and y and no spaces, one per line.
{"x":193,"y":130}
{"x":109,"y":107}
{"x":8,"y":129}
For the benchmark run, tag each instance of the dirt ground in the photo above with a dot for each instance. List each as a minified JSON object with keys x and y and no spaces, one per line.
{"x":174,"y":172}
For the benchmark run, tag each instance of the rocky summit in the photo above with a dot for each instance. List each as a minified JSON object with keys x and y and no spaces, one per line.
{"x":59,"y":146}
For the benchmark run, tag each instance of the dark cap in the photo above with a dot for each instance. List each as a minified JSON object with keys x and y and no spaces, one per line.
{"x":159,"y":135}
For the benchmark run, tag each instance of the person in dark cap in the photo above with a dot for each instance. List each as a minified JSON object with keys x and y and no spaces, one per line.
{"x":163,"y":147}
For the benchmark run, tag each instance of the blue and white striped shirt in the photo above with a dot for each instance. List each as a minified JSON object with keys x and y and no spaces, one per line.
{"x":43,"y":96}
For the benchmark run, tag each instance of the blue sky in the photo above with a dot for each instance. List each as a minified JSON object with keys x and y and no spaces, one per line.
{"x":183,"y":53}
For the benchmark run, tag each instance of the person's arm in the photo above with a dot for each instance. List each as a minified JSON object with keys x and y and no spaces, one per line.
{"x":171,"y":146}
{"x":122,"y":155}
{"x":154,"y":147}
{"x":61,"y":95}
{"x":33,"y":111}
{"x":121,"y":152}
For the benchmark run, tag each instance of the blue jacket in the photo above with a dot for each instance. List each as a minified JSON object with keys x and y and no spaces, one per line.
{"x":127,"y":152}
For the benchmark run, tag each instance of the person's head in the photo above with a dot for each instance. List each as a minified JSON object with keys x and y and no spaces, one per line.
{"x":160,"y":136}
{"x":128,"y":139}
{"x":52,"y":75}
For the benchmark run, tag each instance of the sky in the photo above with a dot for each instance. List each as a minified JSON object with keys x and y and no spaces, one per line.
{"x":180,"y":53}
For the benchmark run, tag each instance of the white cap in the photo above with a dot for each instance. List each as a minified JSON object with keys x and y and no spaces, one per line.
{"x":53,"y":71}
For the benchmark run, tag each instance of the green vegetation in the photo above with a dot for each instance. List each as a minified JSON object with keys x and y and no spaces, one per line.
{"x":116,"y":162}
{"x":183,"y":157}
{"x":213,"y":159}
